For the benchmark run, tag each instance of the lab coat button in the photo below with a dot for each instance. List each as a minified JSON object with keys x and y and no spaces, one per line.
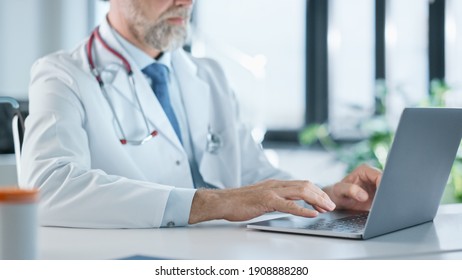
{"x":177,"y":162}
{"x":171,"y":224}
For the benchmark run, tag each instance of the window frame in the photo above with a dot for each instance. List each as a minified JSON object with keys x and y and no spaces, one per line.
{"x":317,"y":91}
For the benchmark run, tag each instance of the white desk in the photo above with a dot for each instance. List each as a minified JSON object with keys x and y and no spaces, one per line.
{"x":441,"y":239}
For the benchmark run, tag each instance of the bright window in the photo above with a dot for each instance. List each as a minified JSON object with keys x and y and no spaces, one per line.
{"x":261,"y":45}
{"x":406,"y":54}
{"x":351,"y":65}
{"x":453,"y":26}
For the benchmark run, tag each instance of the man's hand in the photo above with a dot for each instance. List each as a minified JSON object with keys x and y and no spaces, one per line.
{"x":245,"y":203}
{"x":357,"y":190}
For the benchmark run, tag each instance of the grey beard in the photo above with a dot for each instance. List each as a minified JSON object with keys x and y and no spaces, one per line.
{"x":164,"y":37}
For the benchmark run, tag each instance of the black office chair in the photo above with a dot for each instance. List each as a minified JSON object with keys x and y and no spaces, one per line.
{"x":17,"y":127}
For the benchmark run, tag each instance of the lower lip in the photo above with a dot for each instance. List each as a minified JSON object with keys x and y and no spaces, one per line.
{"x":176,"y":21}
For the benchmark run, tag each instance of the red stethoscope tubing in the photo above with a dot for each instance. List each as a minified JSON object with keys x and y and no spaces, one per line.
{"x":128,"y":68}
{"x":97,"y":35}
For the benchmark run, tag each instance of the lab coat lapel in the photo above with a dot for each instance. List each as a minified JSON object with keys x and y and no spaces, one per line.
{"x":196,"y":99}
{"x":149,"y":103}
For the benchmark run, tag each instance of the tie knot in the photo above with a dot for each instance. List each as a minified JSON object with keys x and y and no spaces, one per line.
{"x":157,"y":72}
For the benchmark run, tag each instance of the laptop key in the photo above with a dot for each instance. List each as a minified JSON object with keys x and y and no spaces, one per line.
{"x":348,"y":224}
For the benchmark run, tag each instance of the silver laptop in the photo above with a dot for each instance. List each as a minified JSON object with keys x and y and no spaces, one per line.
{"x":413,"y":181}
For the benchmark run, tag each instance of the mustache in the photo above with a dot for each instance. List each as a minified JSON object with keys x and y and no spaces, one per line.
{"x":183,"y":12}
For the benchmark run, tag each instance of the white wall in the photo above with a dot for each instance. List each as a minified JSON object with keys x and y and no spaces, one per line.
{"x":30,"y":29}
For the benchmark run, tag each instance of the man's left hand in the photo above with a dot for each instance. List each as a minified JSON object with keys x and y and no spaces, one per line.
{"x":357,"y":190}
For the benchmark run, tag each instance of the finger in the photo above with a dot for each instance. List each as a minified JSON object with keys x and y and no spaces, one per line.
{"x":289,"y":206}
{"x":311,"y":194}
{"x":306,"y":185}
{"x":369,"y":174}
{"x":303,"y":190}
{"x":320,"y":210}
{"x":352,"y":191}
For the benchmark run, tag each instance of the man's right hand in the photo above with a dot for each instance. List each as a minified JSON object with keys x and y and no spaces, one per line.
{"x":248,"y":202}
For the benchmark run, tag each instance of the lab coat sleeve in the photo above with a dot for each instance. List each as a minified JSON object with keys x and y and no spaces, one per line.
{"x":56,"y":159}
{"x":260,"y":168}
{"x":255,"y":166}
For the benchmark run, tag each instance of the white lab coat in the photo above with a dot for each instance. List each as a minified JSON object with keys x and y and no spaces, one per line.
{"x":88,"y":179}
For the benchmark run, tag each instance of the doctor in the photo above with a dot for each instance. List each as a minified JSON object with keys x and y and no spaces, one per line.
{"x":129,"y":131}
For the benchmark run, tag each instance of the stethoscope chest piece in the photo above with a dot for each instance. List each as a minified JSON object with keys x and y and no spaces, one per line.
{"x":214,"y":143}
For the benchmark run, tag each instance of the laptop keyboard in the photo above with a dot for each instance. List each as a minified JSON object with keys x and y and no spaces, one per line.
{"x":353,"y":224}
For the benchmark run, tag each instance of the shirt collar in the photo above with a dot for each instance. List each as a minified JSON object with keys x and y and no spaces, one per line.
{"x":140,"y":58}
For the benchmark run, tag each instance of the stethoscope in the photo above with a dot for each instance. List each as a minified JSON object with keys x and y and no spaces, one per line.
{"x":128,"y":69}
{"x":214,"y":142}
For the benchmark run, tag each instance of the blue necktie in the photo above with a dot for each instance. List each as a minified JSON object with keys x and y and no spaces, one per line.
{"x":158,"y":73}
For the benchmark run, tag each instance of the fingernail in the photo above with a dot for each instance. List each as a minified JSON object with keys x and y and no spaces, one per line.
{"x":331,"y":205}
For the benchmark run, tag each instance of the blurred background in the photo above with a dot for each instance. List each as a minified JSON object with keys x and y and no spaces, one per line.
{"x":324,"y":72}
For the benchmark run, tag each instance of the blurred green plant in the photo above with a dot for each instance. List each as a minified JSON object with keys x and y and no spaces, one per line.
{"x":374,"y":148}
